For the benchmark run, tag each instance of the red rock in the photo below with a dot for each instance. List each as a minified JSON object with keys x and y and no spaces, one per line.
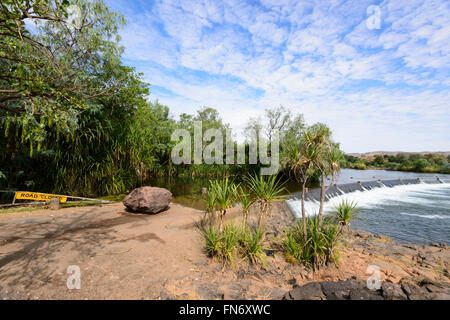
{"x":148,"y":200}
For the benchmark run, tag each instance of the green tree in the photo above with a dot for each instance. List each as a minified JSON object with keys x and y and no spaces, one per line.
{"x":51,"y":75}
{"x":420,"y":164}
{"x":378,"y":160}
{"x":225,"y":193}
{"x":327,"y":157}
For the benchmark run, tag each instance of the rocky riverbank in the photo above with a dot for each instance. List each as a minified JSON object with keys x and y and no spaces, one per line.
{"x":122,"y":255}
{"x":406,"y":289}
{"x":406,"y":271}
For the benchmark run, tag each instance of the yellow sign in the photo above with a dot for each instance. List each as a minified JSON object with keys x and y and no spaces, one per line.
{"x":26,"y":195}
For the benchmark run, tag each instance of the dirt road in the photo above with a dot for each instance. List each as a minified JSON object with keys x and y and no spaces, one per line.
{"x":120,"y":254}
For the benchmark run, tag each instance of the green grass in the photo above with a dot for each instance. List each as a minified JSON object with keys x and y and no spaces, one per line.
{"x":20,"y":209}
{"x":45,"y":206}
{"x":118,"y":197}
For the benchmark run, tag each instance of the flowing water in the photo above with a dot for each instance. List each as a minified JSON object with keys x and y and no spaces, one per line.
{"x":417,"y":213}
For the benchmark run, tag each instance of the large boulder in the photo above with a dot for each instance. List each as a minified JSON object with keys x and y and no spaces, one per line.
{"x":148,"y":200}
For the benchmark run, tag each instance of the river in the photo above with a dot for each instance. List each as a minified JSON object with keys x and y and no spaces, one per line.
{"x":417,"y":213}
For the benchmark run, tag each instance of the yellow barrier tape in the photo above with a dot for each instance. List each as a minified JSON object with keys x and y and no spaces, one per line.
{"x":26,"y":195}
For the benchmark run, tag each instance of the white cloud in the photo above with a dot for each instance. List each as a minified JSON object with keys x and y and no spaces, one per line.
{"x":377,"y":89}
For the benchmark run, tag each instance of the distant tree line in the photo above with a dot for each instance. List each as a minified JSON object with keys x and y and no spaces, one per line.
{"x":431,"y":163}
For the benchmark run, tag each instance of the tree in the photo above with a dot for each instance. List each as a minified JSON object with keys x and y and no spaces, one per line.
{"x":299,"y":160}
{"x":420,"y":164}
{"x":254,"y":127}
{"x":76,"y":100}
{"x":278,"y":119}
{"x":225,"y":193}
{"x":326,"y":159}
{"x":266,"y":189}
{"x":51,"y":75}
{"x":378,"y":160}
{"x":246,"y":202}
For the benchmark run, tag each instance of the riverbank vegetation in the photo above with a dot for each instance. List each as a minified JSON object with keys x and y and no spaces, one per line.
{"x":75,"y":120}
{"x":427,"y":163}
{"x":231,"y":241}
{"x":311,"y":242}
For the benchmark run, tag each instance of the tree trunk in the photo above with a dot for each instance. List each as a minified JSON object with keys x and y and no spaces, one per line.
{"x":245,"y":218}
{"x":263,"y":209}
{"x":222,"y":213}
{"x":305,"y":236}
{"x":261,"y":216}
{"x":322,"y":201}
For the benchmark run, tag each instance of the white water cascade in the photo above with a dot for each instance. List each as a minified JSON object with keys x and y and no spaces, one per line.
{"x":435,"y":195}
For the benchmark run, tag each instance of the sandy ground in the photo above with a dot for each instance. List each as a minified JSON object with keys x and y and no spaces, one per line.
{"x":122,"y":255}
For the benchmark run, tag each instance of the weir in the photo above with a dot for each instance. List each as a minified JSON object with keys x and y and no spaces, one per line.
{"x":337,"y":190}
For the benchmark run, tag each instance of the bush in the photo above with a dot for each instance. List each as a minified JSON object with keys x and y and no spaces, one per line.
{"x":251,"y":243}
{"x":234,"y":241}
{"x":359,"y":166}
{"x":212,"y":241}
{"x":229,"y":241}
{"x":346,"y":211}
{"x":319,"y":248}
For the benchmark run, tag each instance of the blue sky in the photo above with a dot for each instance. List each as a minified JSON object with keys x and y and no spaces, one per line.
{"x":378,"y":89}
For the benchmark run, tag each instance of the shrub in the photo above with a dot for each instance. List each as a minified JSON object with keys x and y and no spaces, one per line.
{"x":319,"y":247}
{"x":229,"y":242}
{"x":211,"y":237}
{"x":346,"y":211}
{"x":266,"y":190}
{"x":251,"y":242}
{"x":234,"y":242}
{"x":359,"y":166}
{"x":246,"y":202}
{"x":225,"y":194}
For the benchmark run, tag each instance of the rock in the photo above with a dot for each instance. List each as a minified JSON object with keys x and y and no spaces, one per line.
{"x":364,"y":294}
{"x":292,"y":281}
{"x":148,"y":200}
{"x":392,"y":291}
{"x":209,"y":291}
{"x":434,"y":244}
{"x":339,"y":290}
{"x":310,"y":291}
{"x":54,"y":204}
{"x":414,"y":292}
{"x":439,"y":296}
{"x":407,"y":289}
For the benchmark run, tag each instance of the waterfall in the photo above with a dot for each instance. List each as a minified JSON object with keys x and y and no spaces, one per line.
{"x":365,"y":194}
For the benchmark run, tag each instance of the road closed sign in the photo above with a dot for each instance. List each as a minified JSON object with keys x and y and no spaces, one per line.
{"x":26,"y":195}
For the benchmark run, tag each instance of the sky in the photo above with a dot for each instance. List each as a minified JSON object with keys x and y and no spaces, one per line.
{"x":376,"y":72}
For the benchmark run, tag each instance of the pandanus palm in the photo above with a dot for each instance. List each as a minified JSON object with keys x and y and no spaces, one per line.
{"x":323,"y":155}
{"x":300,"y":159}
{"x":210,"y":205}
{"x":346,"y":211}
{"x":246,"y":202}
{"x":225,"y":193}
{"x":266,"y":190}
{"x":328,"y":165}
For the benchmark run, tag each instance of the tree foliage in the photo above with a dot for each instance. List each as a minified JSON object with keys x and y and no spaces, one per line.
{"x":51,"y":72}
